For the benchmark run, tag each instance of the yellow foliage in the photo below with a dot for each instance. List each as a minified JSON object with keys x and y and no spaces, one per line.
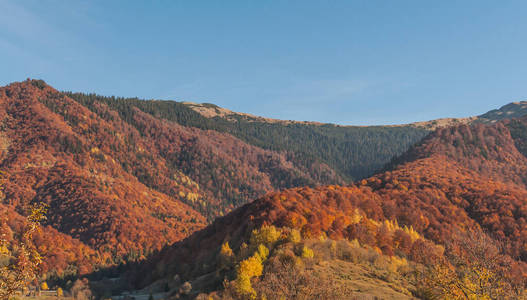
{"x":192,"y":196}
{"x":391,"y":225}
{"x":356,"y":217}
{"x":474,"y":283}
{"x":307,"y":253}
{"x":251,"y":267}
{"x":44,"y":286}
{"x":60,"y":293}
{"x":262,"y":252}
{"x":333,"y":247}
{"x":397,"y":262}
{"x":226,"y":250}
{"x":414,"y":235}
{"x":355,"y":243}
{"x":267,"y":235}
{"x":226,"y":257}
{"x":3,"y":249}
{"x":243,"y":287}
{"x":294,"y":236}
{"x":23,"y":268}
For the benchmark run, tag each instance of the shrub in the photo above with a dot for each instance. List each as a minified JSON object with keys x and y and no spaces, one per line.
{"x":244,"y":287}
{"x":294,"y":236}
{"x":262,"y":252}
{"x":307,"y":253}
{"x":266,"y":235}
{"x":243,"y":252}
{"x":226,"y":256}
{"x":250,"y":267}
{"x":226,"y":250}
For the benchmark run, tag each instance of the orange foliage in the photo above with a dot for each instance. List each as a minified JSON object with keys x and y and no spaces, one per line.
{"x":457,"y":179}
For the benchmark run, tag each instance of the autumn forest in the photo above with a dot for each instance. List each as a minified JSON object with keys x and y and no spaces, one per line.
{"x":124,"y":198}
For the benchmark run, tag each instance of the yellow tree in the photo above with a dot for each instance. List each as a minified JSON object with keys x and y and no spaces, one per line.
{"x":251,"y":267}
{"x":226,"y":258}
{"x":19,"y":260}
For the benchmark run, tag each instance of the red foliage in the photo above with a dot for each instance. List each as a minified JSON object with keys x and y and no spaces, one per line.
{"x":457,"y":179}
{"x":98,"y":212}
{"x":125,"y":188}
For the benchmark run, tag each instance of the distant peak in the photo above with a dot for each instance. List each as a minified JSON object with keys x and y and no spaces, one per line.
{"x":516,"y":109}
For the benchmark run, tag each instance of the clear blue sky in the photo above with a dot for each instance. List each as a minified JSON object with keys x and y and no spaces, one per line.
{"x":347,"y":62}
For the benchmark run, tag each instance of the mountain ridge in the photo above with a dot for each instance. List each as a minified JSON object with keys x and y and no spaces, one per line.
{"x":515,"y":109}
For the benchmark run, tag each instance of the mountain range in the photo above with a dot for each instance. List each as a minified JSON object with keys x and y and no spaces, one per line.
{"x":164,"y":186}
{"x":458,"y":179}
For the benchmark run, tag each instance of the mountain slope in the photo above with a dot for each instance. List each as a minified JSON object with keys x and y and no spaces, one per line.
{"x":353,"y":152}
{"x":457,"y":179}
{"x":125,"y":177}
{"x":56,"y":160}
{"x":124,"y":187}
{"x":227,"y":170}
{"x":314,"y":153}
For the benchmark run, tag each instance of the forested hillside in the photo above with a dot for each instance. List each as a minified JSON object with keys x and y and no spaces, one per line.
{"x":98,"y":213}
{"x":124,"y":178}
{"x":122,"y":188}
{"x":227,"y":171}
{"x":454,"y":205}
{"x":353,"y":152}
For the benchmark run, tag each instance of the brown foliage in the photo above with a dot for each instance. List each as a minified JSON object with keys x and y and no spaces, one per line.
{"x":284,"y":280}
{"x":476,"y":269}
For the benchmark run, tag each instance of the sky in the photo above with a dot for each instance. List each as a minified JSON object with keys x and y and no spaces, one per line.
{"x":345,"y":62}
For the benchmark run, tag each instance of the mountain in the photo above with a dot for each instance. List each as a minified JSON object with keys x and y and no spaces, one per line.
{"x":511,"y":110}
{"x":123,"y":178}
{"x":63,"y":160}
{"x":457,"y":199}
{"x":227,"y":170}
{"x":353,"y":152}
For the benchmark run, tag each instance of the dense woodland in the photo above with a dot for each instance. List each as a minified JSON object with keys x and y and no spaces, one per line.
{"x":123,"y":179}
{"x":457,"y":180}
{"x":353,"y":152}
{"x":102,"y":214}
{"x":113,"y":174}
